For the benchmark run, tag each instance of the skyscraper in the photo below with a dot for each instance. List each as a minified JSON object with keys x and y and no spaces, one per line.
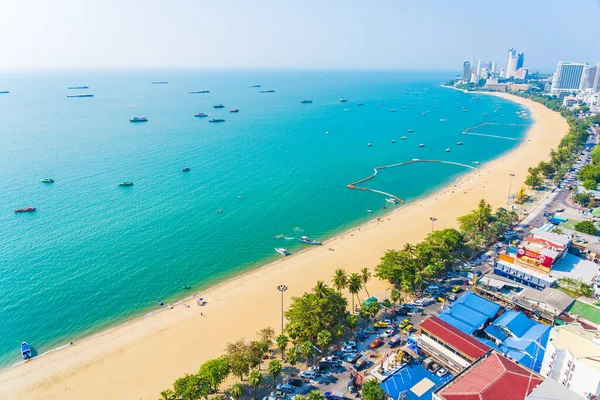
{"x":567,"y":76}
{"x":597,"y":79}
{"x":478,"y":70}
{"x":587,"y":77}
{"x":511,"y":63}
{"x":493,"y":67}
{"x":520,"y":60}
{"x":466,"y":72}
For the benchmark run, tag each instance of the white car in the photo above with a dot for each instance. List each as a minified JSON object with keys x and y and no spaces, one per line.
{"x":286,"y":387}
{"x":441,"y":372}
{"x":387,"y":333}
{"x":348,"y":349}
{"x":277,"y":394}
{"x":350,"y":343}
{"x":309,"y":374}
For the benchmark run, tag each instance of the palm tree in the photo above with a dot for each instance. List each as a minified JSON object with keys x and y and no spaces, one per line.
{"x":254,"y":379}
{"x":306,"y":349}
{"x":315,"y":395}
{"x":365,"y":275}
{"x":292,"y":357}
{"x":410,"y":249}
{"x":282,"y":342}
{"x":275,"y":368}
{"x":323,"y":339}
{"x":340,"y":279}
{"x":396,"y":296}
{"x":351,"y":321}
{"x":355,"y":284}
{"x":236,"y":390}
{"x":364,"y":314}
{"x":320,"y":290}
{"x":483,"y":215}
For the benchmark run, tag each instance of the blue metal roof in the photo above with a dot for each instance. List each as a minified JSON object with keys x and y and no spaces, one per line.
{"x":496,"y":332}
{"x":468,"y":315}
{"x":479,"y":304}
{"x":538,"y":332}
{"x":458,"y":324}
{"x":515,"y":322}
{"x":489,"y":343}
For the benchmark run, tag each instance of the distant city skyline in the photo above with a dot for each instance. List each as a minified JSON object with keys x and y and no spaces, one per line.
{"x":426,"y":35}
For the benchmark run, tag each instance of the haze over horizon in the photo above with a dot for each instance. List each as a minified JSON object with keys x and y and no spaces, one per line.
{"x":425,"y":35}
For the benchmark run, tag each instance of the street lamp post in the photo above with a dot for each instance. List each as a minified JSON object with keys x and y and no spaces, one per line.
{"x":282,"y":288}
{"x":433,"y":219}
{"x":509,"y":188}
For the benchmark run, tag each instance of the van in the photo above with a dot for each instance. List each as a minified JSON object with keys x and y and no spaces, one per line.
{"x":432,"y":288}
{"x":394,"y":340}
{"x":361,"y":362}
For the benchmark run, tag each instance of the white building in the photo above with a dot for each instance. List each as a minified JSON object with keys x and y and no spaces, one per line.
{"x":493,"y":67}
{"x":511,"y":63}
{"x":571,"y":358}
{"x":597,"y":79}
{"x":567,"y":76}
{"x":587,"y":77}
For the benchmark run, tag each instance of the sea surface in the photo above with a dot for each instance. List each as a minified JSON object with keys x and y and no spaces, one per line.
{"x":95,"y":254}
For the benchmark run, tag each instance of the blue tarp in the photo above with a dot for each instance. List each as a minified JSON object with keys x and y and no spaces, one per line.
{"x":468,"y":315}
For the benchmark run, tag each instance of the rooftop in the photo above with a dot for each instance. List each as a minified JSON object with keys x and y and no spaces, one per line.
{"x":586,"y":311}
{"x":469,"y":312}
{"x":552,"y":237}
{"x":494,"y":377}
{"x":552,"y":390}
{"x":582,"y":344}
{"x":553,"y":297}
{"x":454,"y":337}
{"x":571,"y":266}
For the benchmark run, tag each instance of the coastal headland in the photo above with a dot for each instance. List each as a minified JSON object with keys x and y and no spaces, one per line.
{"x":140,"y":358}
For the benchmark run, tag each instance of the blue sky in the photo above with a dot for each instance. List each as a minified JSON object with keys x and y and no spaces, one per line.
{"x":330,"y":34}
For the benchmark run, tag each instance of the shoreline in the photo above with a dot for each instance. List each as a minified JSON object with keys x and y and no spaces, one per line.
{"x":144,"y":355}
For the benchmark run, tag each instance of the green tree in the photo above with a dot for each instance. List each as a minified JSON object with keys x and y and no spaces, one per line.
{"x":396,"y":296}
{"x":323,"y":339}
{"x":238,"y":358}
{"x":215,"y":371}
{"x":254,"y":379}
{"x":320,"y":290}
{"x":374,"y":308}
{"x":315,"y":395}
{"x":364,"y":314}
{"x":306,"y":349}
{"x":477,"y":219}
{"x":590,"y":184}
{"x":586,"y":227}
{"x":236,"y":390}
{"x":558,"y":230}
{"x":546,"y":169}
{"x":365,"y":276}
{"x":275,"y":368}
{"x":351,"y":321}
{"x":340,"y":279}
{"x":282,"y":342}
{"x":386,"y":303}
{"x":168,"y":395}
{"x":372,"y":391}
{"x":583,"y":199}
{"x":355,"y":284}
{"x":533,"y":179}
{"x":292,"y":358}
{"x":191,"y":387}
{"x":266,"y":336}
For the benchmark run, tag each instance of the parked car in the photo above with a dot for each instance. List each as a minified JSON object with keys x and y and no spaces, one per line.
{"x":456,"y":289}
{"x":387,"y":333}
{"x":349,"y":349}
{"x":380,"y":325}
{"x":369,"y":331}
{"x":407,"y":329}
{"x":376,"y":343}
{"x":294,"y":382}
{"x":287,"y":388}
{"x":277,"y":394}
{"x":452,"y":297}
{"x":441,"y":372}
{"x":350,"y":343}
{"x":308,"y":374}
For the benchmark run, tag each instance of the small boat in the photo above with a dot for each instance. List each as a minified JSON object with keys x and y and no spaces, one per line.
{"x":306,"y":101}
{"x":421,"y":145}
{"x":410,"y":130}
{"x":403,"y":107}
{"x":403,"y":138}
{"x":256,"y":86}
{"x":159,"y":82}
{"x":218,"y":106}
{"x":380,"y":104}
{"x":26,"y":209}
{"x":4,"y":92}
{"x":464,"y":110}
{"x":199,"y":91}
{"x":443,"y":120}
{"x":369,"y":211}
{"x":187,"y":287}
{"x":307,"y":240}
{"x":217,"y":120}
{"x":126,"y":184}
{"x":80,"y":95}
{"x":138,"y":119}
{"x":200,"y":115}
{"x":346,"y":109}
{"x":25,"y":351}
{"x":384,"y":207}
{"x":392,"y":110}
{"x":476,"y":162}
{"x":343,"y":100}
{"x":186,"y":169}
{"x":360,"y":104}
{"x":282,"y":251}
{"x":459,"y":143}
{"x":393,"y":201}
{"x":219,"y":211}
{"x":77,"y":87}
{"x":234,"y":110}
{"x":393,"y":140}
{"x":448,"y":150}
{"x":267,"y":91}
{"x":47,"y":180}
{"x":369,"y":145}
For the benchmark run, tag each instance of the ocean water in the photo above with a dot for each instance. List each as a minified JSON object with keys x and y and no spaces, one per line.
{"x":95,"y":254}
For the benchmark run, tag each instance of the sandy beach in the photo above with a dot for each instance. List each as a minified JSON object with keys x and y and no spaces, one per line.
{"x":139,"y":359}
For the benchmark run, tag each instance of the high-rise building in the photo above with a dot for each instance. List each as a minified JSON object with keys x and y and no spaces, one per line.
{"x":520,"y":60}
{"x":493,"y":67}
{"x":587,"y":77}
{"x":474,"y":77}
{"x":596,"y":86}
{"x":567,"y":76}
{"x":466,"y":72}
{"x":478,"y":69}
{"x":511,"y":63}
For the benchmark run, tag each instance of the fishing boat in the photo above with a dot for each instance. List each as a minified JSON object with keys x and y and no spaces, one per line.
{"x":343,"y":100}
{"x":443,"y":120}
{"x":126,"y":184}
{"x":410,"y":130}
{"x":369,"y":145}
{"x":393,"y":140}
{"x":360,"y":104}
{"x":200,"y":115}
{"x":306,"y":101}
{"x":464,"y":110}
{"x":218,"y":106}
{"x":307,"y":240}
{"x":421,"y":145}
{"x":47,"y":180}
{"x":26,"y":209}
{"x":159,"y":82}
{"x":459,"y":143}
{"x":77,"y":87}
{"x":282,"y":251}
{"x":267,"y":91}
{"x":186,"y":169}
{"x":80,"y":95}
{"x":217,"y":120}
{"x":392,"y":110}
{"x":403,"y":138}
{"x":234,"y":110}
{"x":448,"y":150}
{"x":25,"y":351}
{"x":138,"y":119}
{"x":255,"y":86}
{"x":199,"y":91}
{"x":393,"y":201}
{"x":4,"y":92}
{"x":403,"y":107}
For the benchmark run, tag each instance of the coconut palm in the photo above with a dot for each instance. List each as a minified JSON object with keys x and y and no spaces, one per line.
{"x":365,"y":275}
{"x":275,"y":368}
{"x":323,"y":339}
{"x":292,"y":357}
{"x":320,"y":289}
{"x":254,"y":379}
{"x":340,"y":279}
{"x":351,"y":321}
{"x":306,"y":349}
{"x":396,"y":296}
{"x":282,"y":342}
{"x":315,"y":395}
{"x":236,"y":390}
{"x":355,"y":284}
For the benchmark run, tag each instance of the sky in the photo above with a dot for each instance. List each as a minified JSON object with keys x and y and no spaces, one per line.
{"x":297,"y":34}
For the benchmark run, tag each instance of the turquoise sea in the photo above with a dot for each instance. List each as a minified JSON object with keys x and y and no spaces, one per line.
{"x":95,"y":254}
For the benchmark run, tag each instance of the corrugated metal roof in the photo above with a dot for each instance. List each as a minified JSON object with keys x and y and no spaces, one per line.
{"x":496,"y":332}
{"x":466,"y":328}
{"x":515,"y":322}
{"x":479,"y":304}
{"x":455,"y":338}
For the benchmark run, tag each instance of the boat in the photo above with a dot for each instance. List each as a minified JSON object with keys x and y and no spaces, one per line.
{"x":138,"y":119}
{"x":187,"y":287}
{"x":360,"y":104}
{"x":459,"y":143}
{"x":343,"y":100}
{"x":255,"y":86}
{"x":200,"y":115}
{"x":25,"y":351}
{"x":392,"y":110}
{"x":443,"y":120}
{"x":380,"y":104}
{"x":476,"y":162}
{"x":411,"y":130}
{"x":393,"y":201}
{"x":199,"y":91}
{"x":464,"y":110}
{"x":421,"y":145}
{"x":160,"y":303}
{"x":369,"y":145}
{"x":186,"y":169}
{"x":346,"y":109}
{"x":369,"y":211}
{"x":47,"y":180}
{"x":267,"y":91}
{"x":307,"y":240}
{"x":4,"y":92}
{"x":393,"y":140}
{"x":218,"y":106}
{"x":159,"y":82}
{"x":448,"y":150}
{"x":80,"y":95}
{"x":403,"y":107}
{"x":77,"y":87}
{"x":217,"y":120}
{"x":126,"y":184}
{"x":26,"y":209}
{"x":403,"y":138}
{"x":282,"y":251}
{"x":306,"y":101}
{"x":234,"y":110}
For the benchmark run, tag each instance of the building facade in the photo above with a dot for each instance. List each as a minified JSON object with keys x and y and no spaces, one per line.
{"x":466,"y":72}
{"x":587,"y":77}
{"x":511,"y":63}
{"x":567,"y":76}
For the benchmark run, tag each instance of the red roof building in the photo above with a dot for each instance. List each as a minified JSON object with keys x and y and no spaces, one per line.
{"x":494,"y":377}
{"x":458,"y":341}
